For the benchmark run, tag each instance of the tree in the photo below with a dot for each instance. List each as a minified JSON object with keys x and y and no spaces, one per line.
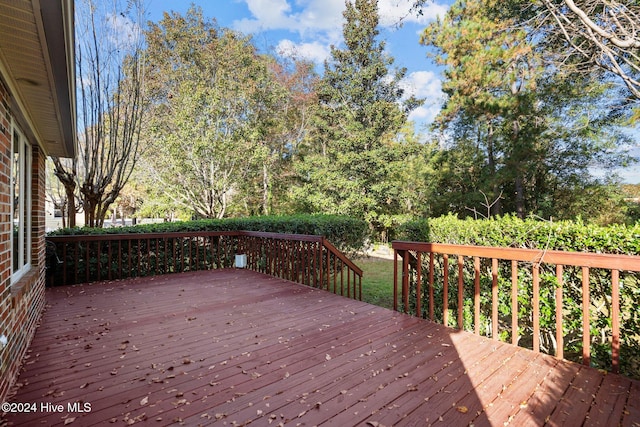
{"x":282,"y":129}
{"x":604,"y":33}
{"x":581,"y":36}
{"x":111,"y":105}
{"x":212,"y":98}
{"x":537,"y":130}
{"x":359,"y":116}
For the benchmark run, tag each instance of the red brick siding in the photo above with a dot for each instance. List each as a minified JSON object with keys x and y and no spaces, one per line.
{"x":21,"y":304}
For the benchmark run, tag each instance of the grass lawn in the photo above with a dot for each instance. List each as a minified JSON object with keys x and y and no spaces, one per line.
{"x":377,"y":282}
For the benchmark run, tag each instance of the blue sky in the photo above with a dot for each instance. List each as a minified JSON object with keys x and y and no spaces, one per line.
{"x":307,"y":29}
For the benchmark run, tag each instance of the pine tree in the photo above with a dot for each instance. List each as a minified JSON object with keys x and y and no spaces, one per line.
{"x":360,"y":114}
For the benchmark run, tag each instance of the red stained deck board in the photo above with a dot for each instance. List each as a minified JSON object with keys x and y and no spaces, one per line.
{"x":576,"y":401}
{"x":609,"y":402}
{"x":515,"y":397}
{"x":546,"y":395}
{"x":430,"y":378}
{"x":631,"y":413}
{"x":235,"y":345}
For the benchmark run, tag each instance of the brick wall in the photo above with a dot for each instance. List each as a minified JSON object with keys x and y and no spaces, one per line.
{"x":21,"y":303}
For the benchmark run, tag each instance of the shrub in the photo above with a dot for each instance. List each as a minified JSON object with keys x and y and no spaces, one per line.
{"x":347,"y":234}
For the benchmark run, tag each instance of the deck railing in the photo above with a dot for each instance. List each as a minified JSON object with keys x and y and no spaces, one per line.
{"x":305,"y":259}
{"x":537,"y":298}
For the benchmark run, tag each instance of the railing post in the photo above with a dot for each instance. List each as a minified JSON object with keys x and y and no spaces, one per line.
{"x":514,"y":302}
{"x":559,"y":306}
{"x":445,"y":290}
{"x":460,"y":291}
{"x":395,"y":280}
{"x":494,"y":298}
{"x":615,"y":321}
{"x":476,"y":295}
{"x":536,"y":307}
{"x":431,"y":273}
{"x":419,"y":284}
{"x":586,"y":334}
{"x":405,"y":281}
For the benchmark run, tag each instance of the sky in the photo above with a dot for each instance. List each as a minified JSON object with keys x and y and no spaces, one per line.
{"x":307,"y":29}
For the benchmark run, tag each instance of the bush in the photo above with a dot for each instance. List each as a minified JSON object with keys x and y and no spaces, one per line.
{"x":347,"y":234}
{"x":510,"y":231}
{"x":415,"y":231}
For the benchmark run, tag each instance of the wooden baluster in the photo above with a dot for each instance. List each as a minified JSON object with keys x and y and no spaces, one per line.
{"x":129,"y":256}
{"x":586,"y":334}
{"x":109,"y":260}
{"x":460,"y":292}
{"x":536,"y":307}
{"x":99,"y":260}
{"x":395,"y":280}
{"x":76,"y":251}
{"x":64,"y":264}
{"x":87,"y":264}
{"x":335,"y":274}
{"x":476,"y":295}
{"x":559,"y":304}
{"x":148,"y":272}
{"x":419,"y":284}
{"x":445,"y":291}
{"x":341,"y":278}
{"x":405,"y":281}
{"x":317,"y":263}
{"x":615,"y":321}
{"x":514,"y":303}
{"x":494,"y":298}
{"x":431,"y":274}
{"x":197,"y":253}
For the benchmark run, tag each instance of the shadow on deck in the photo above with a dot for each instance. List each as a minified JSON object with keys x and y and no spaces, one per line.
{"x":234,"y":347}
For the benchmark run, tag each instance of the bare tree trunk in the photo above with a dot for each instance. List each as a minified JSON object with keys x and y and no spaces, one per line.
{"x":68,"y":180}
{"x":111,"y":105}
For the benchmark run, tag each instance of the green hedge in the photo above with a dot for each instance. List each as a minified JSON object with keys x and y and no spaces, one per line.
{"x":574,"y":236}
{"x":347,"y":234}
{"x":510,"y":231}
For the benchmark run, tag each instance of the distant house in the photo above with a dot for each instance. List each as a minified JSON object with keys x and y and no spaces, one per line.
{"x":37,"y":119}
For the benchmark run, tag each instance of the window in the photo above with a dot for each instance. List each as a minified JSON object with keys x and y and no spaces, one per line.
{"x":21,"y":192}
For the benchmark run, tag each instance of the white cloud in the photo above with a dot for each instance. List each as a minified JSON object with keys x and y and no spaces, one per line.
{"x":315,"y":51}
{"x":426,"y":85}
{"x":423,"y":84}
{"x":393,"y":11}
{"x":123,"y":32}
{"x":309,"y":18}
{"x":312,"y":17}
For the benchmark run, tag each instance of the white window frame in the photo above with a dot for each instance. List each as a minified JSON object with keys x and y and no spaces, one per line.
{"x":22,"y":248}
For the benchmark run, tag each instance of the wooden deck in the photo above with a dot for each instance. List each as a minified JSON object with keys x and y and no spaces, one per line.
{"x":234,"y":347}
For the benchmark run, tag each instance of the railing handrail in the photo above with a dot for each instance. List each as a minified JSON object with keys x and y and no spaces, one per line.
{"x":533,"y":256}
{"x":335,"y":251}
{"x":170,"y":234}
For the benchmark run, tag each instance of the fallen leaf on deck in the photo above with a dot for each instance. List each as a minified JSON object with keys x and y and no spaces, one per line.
{"x":462,"y":409}
{"x":327,"y":357}
{"x":69,"y":420}
{"x":144,"y":401}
